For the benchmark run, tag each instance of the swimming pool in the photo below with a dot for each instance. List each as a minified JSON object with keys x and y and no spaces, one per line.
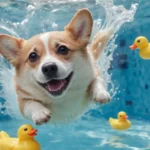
{"x":128,"y":73}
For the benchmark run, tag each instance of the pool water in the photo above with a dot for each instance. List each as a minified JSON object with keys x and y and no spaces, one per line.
{"x":89,"y":133}
{"x":126,"y":74}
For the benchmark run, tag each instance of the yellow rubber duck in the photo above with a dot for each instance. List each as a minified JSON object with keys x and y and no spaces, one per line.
{"x":25,"y":140}
{"x":142,"y":43}
{"x":121,"y":123}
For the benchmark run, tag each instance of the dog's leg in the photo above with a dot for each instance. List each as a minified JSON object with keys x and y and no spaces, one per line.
{"x":36,"y":111}
{"x":99,"y":42}
{"x":98,"y":92}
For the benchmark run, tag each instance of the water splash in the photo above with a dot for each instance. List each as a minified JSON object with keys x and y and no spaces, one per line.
{"x":114,"y":18}
{"x":8,"y":90}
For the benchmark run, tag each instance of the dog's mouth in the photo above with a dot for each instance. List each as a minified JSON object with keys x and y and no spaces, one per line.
{"x":57,"y":86}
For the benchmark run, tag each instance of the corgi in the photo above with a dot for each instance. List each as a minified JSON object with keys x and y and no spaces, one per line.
{"x":57,"y":77}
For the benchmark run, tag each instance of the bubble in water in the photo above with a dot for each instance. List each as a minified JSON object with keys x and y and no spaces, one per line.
{"x":30,"y":7}
{"x":54,"y":26}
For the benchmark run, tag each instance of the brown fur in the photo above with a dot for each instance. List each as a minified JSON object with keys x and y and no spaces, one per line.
{"x":100,"y":38}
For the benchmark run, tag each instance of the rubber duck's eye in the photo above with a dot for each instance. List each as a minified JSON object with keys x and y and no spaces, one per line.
{"x":120,"y":116}
{"x":138,"y":41}
{"x":25,"y":129}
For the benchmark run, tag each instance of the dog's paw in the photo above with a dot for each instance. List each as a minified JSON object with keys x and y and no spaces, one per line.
{"x":102,"y":97}
{"x":41,"y":116}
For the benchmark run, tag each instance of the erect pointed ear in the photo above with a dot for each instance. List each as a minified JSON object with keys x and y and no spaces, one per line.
{"x":80,"y":26}
{"x":10,"y":47}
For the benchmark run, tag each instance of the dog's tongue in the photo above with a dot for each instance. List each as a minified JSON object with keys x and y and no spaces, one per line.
{"x":55,"y":85}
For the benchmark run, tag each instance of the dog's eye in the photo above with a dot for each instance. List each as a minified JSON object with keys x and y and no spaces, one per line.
{"x":33,"y":57}
{"x":25,"y":129}
{"x":62,"y":50}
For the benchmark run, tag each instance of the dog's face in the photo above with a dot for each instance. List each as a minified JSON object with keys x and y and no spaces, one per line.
{"x":48,"y":61}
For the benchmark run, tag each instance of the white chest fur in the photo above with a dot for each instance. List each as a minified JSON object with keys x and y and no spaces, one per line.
{"x":75,"y":102}
{"x":73,"y":106}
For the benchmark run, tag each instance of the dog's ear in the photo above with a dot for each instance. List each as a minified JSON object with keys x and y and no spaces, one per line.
{"x":10,"y":47}
{"x":80,"y":26}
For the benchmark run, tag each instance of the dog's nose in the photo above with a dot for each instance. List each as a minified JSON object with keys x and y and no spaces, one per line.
{"x":50,"y":69}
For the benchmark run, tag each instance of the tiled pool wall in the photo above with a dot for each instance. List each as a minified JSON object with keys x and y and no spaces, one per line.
{"x":129,"y":71}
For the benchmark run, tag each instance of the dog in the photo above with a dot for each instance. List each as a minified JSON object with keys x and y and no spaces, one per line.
{"x":57,"y":77}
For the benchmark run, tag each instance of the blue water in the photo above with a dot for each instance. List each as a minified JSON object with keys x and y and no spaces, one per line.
{"x":89,"y":133}
{"x":129,"y":72}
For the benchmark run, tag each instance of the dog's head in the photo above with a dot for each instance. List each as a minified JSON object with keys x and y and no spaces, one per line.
{"x":47,"y":61}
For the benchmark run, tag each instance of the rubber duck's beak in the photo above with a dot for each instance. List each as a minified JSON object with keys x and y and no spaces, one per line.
{"x":33,"y":132}
{"x":133,"y":47}
{"x":124,"y":117}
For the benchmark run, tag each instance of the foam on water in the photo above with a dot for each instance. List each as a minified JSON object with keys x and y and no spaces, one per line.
{"x":115,"y":17}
